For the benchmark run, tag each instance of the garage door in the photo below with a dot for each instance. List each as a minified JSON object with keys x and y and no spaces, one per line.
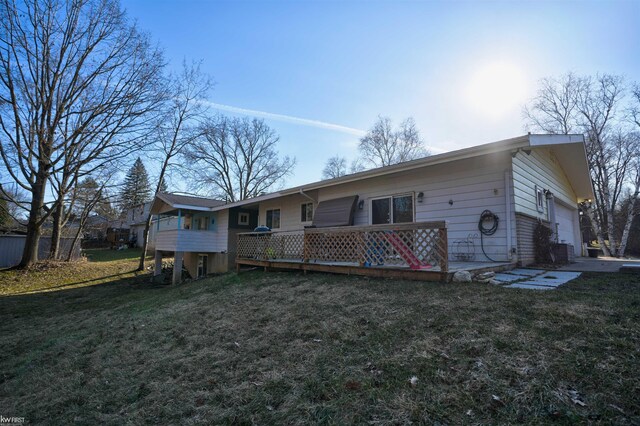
{"x":565,"y":218}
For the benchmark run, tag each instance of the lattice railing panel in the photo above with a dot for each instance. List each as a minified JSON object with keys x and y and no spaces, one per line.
{"x":416,"y":245}
{"x":271,"y":245}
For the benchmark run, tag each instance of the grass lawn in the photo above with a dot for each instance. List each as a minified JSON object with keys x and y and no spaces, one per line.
{"x":101,"y":266}
{"x":288,"y":348}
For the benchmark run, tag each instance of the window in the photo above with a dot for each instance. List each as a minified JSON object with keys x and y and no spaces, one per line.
{"x":273,"y":218}
{"x":396,"y":209}
{"x":539,"y":199}
{"x":243,"y":218}
{"x":306,"y":212}
{"x":200,"y":223}
{"x":203,"y":225}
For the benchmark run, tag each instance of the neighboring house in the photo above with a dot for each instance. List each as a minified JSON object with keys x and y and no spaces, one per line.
{"x":135,"y":219}
{"x":415,"y":215}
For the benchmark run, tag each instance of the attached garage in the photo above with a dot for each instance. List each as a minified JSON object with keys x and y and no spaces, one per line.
{"x":568,"y":230}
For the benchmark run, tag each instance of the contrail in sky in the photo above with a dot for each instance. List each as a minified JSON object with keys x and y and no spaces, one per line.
{"x":289,"y":119}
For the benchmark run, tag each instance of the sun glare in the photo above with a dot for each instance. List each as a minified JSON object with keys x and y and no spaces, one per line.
{"x":496,"y":89}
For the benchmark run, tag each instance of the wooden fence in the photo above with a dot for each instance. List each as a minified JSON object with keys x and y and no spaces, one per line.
{"x":421,"y":245}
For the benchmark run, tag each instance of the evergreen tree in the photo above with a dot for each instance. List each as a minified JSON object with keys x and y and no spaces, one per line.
{"x":163,"y":186}
{"x":137,"y":189}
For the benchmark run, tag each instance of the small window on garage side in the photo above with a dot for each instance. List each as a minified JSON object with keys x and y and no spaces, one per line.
{"x":539,"y":199}
{"x":273,"y":218}
{"x":306,"y":212}
{"x":243,"y":218}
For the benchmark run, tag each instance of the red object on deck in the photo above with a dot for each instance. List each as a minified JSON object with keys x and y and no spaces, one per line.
{"x":405,"y":252}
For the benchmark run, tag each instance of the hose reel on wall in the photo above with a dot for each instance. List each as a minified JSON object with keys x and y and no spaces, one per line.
{"x":487,"y":225}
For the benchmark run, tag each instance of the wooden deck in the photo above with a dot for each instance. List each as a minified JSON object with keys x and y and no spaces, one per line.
{"x":380,"y":271}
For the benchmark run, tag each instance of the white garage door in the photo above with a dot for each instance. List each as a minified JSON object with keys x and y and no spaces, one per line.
{"x":565,"y":218}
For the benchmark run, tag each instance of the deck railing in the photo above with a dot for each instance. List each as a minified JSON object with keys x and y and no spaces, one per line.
{"x":420,"y":245}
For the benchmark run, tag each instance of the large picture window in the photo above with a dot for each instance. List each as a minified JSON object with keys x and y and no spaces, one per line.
{"x":395,"y":209}
{"x":273,"y":218}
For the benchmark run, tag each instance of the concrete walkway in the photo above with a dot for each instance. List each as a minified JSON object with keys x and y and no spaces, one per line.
{"x":600,"y":264}
{"x":535,"y":279}
{"x":540,"y":279}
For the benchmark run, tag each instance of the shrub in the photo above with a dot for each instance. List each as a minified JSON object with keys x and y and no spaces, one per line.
{"x":542,"y":243}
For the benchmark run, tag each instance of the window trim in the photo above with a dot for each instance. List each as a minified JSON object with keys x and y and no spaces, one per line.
{"x":265,"y":217}
{"x":313,"y":208}
{"x":241,"y":222}
{"x":539,"y":199}
{"x":391,"y":197}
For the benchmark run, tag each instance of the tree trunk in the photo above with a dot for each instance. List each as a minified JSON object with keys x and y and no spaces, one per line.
{"x":56,"y":231}
{"x":76,"y":238}
{"x":613,"y":244}
{"x":627,"y":228}
{"x":34,"y":226}
{"x":596,"y":227}
{"x":630,"y":216}
{"x":145,"y":242}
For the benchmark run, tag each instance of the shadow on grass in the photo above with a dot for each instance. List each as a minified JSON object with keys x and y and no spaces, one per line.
{"x":87,"y":283}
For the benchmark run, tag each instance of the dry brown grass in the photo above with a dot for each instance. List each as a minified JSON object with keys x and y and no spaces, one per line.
{"x":288,"y":348}
{"x":100,"y":266}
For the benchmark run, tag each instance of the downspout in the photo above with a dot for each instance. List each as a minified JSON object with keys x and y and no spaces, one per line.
{"x":179,"y":217}
{"x":507,"y":204}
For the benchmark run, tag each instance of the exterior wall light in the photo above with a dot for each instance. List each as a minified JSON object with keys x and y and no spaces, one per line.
{"x":420,"y":196}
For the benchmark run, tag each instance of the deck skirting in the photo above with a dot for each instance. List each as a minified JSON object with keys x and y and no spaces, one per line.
{"x":387,"y":272}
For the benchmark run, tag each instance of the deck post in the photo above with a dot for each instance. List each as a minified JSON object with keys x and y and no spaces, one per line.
{"x":157,"y":267}
{"x":177,"y":267}
{"x":444,"y":258}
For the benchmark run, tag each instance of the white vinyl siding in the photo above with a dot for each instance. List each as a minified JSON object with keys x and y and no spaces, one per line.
{"x":192,"y":240}
{"x":473,"y":185}
{"x":541,"y":169}
{"x":289,"y":211}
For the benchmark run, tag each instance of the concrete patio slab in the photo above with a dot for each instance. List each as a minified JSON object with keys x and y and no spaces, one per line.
{"x":529,"y":286}
{"x":550,"y":284}
{"x":558,"y":276}
{"x":526,"y":272}
{"x":600,"y":264}
{"x":508,"y":278}
{"x":630,"y":267}
{"x":547,"y":280}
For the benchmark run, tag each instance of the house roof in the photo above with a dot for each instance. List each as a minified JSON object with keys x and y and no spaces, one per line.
{"x":165,"y":202}
{"x":569,"y":150}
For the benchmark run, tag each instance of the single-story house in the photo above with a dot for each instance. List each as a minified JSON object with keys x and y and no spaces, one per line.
{"x":421,"y":217}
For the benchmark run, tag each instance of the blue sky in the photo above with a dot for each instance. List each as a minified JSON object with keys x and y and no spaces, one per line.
{"x":462,"y":69}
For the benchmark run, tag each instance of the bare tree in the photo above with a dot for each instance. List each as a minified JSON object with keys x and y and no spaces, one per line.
{"x":77,"y":83}
{"x":14,"y":202}
{"x":554,"y":108}
{"x":356,"y":166}
{"x":184,"y":111}
{"x":236,"y":158}
{"x":593,"y":106}
{"x":335,"y":167}
{"x":88,"y":196}
{"x":383,"y":145}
